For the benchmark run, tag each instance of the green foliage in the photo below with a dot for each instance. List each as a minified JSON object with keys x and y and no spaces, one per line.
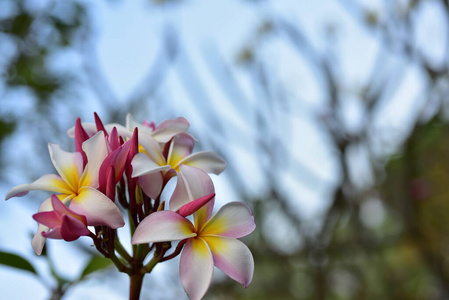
{"x":16,"y":261}
{"x":6,"y":128}
{"x":29,"y":67}
{"x":96,"y":263}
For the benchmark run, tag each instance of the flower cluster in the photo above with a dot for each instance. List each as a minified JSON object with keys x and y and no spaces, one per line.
{"x":118,"y":170}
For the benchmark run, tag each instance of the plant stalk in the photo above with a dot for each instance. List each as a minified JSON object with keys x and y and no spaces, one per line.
{"x":135,"y":286}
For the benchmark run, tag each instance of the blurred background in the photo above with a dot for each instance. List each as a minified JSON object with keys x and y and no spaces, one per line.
{"x":332,"y":116}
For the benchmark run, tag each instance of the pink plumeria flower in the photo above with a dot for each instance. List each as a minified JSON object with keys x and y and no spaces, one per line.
{"x":64,"y":223}
{"x":210,"y":241}
{"x":78,"y":184}
{"x":151,"y":161}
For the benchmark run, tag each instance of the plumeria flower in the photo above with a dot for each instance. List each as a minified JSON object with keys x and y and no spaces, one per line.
{"x":211,"y":241}
{"x":64,"y":223}
{"x":77,"y":184}
{"x":208,"y":241}
{"x":151,"y":161}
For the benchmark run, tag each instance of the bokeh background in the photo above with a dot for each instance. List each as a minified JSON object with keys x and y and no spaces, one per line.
{"x":332,"y":115}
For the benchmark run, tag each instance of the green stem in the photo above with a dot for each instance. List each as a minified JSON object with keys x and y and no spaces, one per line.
{"x":141,"y":252}
{"x":118,"y":263}
{"x":135,"y":286}
{"x":132,"y":228}
{"x":151,"y":264}
{"x":157,"y":256}
{"x":120,"y":250}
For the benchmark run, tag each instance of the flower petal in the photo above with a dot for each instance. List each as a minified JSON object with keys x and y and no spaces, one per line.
{"x":152,"y":148}
{"x":80,"y":137}
{"x":65,"y":224}
{"x":195,"y":205}
{"x":99,"y":123}
{"x":69,"y":165}
{"x":131,"y":124}
{"x":163,"y":133}
{"x":143,"y":165}
{"x":181,"y":194}
{"x":192,"y":183}
{"x":169,"y":128}
{"x":163,"y":226}
{"x":54,"y":233}
{"x":98,"y":209}
{"x":48,"y":218}
{"x":209,"y":162}
{"x":116,"y":159}
{"x":89,"y":128}
{"x":151,"y":184}
{"x":96,"y":151}
{"x":38,"y":241}
{"x":232,"y":257}
{"x":180,"y":147}
{"x":50,"y":182}
{"x":112,"y":140}
{"x":198,"y":184}
{"x":72,"y":228}
{"x":196,"y":268}
{"x":59,"y":206}
{"x":234,"y":219}
{"x":121,"y":130}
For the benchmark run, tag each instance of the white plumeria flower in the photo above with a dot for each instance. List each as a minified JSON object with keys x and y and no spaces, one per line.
{"x":209,"y":241}
{"x":77,"y":184}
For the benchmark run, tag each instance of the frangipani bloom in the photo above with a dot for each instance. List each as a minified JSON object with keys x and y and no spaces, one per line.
{"x":64,"y":223}
{"x":77,"y":184}
{"x":211,"y":241}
